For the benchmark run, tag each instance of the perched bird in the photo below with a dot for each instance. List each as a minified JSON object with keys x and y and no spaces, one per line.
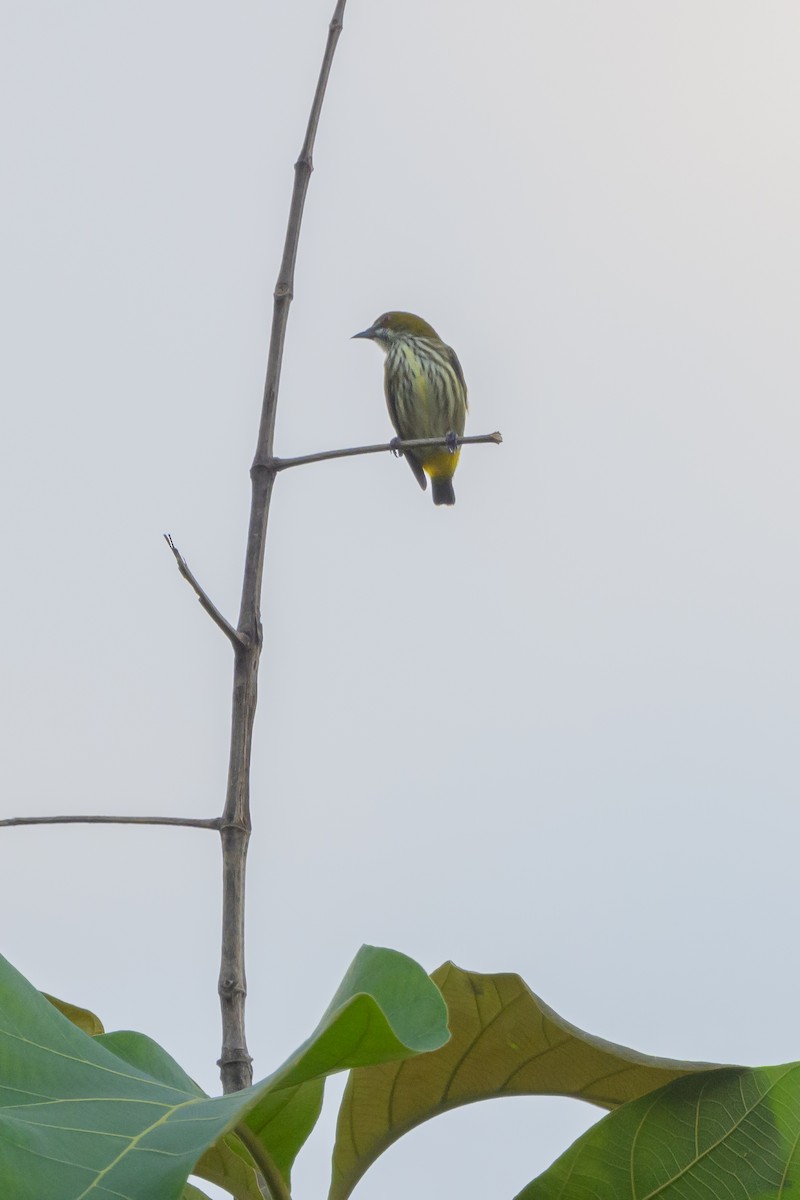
{"x":425,"y":393}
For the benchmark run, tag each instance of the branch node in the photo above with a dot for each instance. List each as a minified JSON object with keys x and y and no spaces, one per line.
{"x":239,"y":826}
{"x":269,"y":465}
{"x":236,"y":1055}
{"x":232,"y":987}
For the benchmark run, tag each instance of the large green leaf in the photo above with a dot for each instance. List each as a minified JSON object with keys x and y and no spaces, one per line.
{"x":140,"y":1051}
{"x":282,"y":1120}
{"x":226,"y":1163}
{"x":115,"y":1116}
{"x":505,"y":1042}
{"x":729,"y":1134}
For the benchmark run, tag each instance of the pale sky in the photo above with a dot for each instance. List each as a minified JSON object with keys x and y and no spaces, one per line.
{"x":552,"y":730}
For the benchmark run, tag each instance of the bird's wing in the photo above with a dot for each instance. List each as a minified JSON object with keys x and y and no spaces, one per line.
{"x":452,"y":358}
{"x":416,"y":469}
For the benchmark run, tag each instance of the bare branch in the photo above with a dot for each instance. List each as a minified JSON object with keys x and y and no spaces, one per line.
{"x":282,"y":464}
{"x":189,"y":822}
{"x":211,"y":609}
{"x":234,"y":1061}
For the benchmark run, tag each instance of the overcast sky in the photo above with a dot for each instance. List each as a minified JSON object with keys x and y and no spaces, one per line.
{"x":552,"y":730}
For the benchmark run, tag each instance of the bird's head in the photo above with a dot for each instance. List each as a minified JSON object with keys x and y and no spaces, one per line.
{"x":393,"y":325}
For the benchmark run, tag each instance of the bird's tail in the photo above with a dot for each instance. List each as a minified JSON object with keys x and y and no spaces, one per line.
{"x":443,"y":491}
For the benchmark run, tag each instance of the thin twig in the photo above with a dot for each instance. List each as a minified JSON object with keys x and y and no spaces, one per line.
{"x":190,"y":822}
{"x":282,"y":464}
{"x":234,"y":1061}
{"x":211,"y":608}
{"x":264,"y":1161}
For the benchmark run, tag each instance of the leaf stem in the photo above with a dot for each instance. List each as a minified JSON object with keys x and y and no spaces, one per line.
{"x":264,"y":1162}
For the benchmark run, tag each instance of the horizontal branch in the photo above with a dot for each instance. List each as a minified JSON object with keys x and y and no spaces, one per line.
{"x":211,"y":608}
{"x":282,"y":464}
{"x":191,"y":822}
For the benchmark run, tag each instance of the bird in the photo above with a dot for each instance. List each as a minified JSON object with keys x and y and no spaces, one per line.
{"x":426,"y":395}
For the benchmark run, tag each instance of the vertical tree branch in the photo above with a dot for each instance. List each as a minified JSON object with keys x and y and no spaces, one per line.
{"x":235,"y":1062}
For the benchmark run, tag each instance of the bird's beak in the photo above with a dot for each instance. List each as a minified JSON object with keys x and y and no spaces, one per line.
{"x":365,"y":333}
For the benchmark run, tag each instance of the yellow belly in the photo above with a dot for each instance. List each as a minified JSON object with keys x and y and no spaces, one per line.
{"x":439,"y":464}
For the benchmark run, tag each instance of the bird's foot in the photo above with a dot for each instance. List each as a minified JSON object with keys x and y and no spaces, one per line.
{"x":451,"y":441}
{"x":395,"y":447}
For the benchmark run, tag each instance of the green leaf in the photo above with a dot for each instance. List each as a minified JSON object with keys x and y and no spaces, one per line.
{"x":505,"y":1042}
{"x":142,"y":1052}
{"x":721,"y":1134}
{"x":81,"y":1017}
{"x":385,"y":1009}
{"x":190,"y":1192}
{"x":226,"y":1163}
{"x":283,"y":1121}
{"x":229,"y":1166}
{"x":115,"y":1116}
